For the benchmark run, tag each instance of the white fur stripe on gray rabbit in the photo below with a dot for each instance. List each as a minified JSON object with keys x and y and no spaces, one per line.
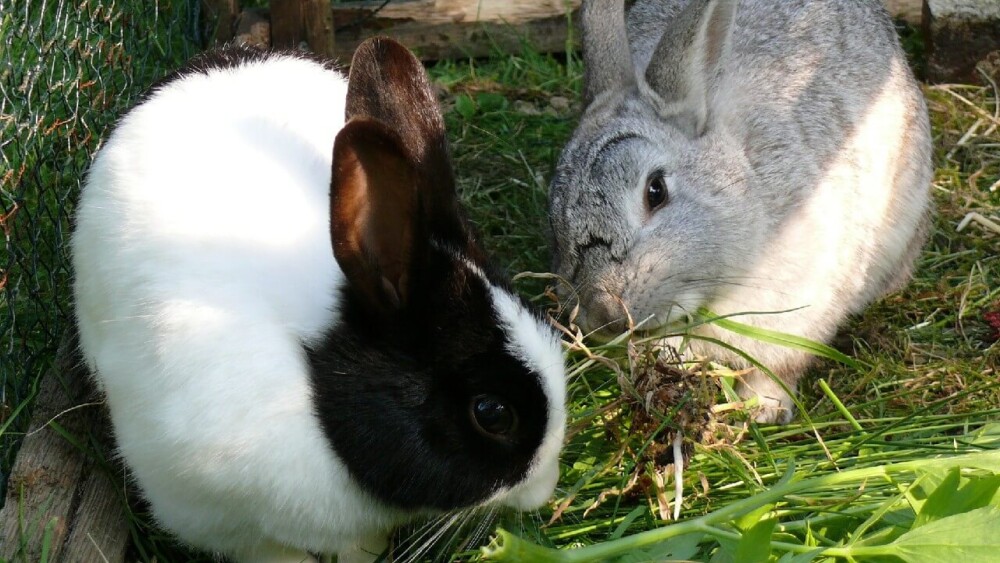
{"x":751,"y":156}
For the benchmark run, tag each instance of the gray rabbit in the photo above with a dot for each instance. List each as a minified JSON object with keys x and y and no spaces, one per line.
{"x":765,"y":156}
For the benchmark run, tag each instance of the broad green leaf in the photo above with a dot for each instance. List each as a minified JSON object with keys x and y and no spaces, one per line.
{"x":935,"y":506}
{"x":780,"y":338}
{"x":676,"y":549}
{"x":755,"y":546}
{"x":900,"y":517}
{"x":986,"y":461}
{"x":988,"y":436}
{"x":952,"y":497}
{"x":806,"y":557}
{"x":750,"y":519}
{"x":465,"y":106}
{"x":918,"y":491}
{"x":725,"y":553}
{"x":971,"y":537}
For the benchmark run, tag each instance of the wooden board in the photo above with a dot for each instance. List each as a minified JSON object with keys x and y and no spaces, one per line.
{"x":59,"y":499}
{"x":910,"y":11}
{"x":434,"y":29}
{"x":958,"y":34}
{"x":294,"y":22}
{"x":445,"y":29}
{"x":219,"y":19}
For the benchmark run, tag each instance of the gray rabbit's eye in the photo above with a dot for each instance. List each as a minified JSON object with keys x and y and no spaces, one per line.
{"x":492,"y":417}
{"x":656,"y":191}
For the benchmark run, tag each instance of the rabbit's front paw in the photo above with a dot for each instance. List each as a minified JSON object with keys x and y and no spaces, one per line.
{"x":774,"y":404}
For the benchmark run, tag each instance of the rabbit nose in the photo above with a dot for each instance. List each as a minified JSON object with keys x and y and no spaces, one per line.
{"x":603,"y":313}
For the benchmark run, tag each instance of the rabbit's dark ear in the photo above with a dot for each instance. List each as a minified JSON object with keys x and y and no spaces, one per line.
{"x":607,"y":62}
{"x":373,"y":214}
{"x":688,"y":56}
{"x":389,"y":85}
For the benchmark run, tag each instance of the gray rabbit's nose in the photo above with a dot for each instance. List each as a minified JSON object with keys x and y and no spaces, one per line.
{"x":602,"y":313}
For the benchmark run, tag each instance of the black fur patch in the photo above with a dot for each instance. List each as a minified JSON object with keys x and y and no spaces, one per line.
{"x":395,"y":400}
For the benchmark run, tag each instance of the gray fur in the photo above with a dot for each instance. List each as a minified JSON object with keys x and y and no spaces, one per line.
{"x":803,"y":184}
{"x":608,"y":60}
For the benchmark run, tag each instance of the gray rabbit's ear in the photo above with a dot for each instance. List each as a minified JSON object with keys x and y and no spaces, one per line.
{"x":606,"y":57}
{"x":687,"y":58}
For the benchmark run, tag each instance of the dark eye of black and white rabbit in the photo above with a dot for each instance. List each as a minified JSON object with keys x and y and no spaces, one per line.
{"x":493,"y":417}
{"x":656,"y":192}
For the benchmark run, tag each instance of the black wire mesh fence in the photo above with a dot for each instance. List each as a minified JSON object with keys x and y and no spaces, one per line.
{"x":68,"y":69}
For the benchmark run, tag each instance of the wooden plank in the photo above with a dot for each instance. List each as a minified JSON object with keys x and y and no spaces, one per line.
{"x":57,"y":498}
{"x":302,"y":23}
{"x":432,"y":12}
{"x":317,"y":19}
{"x":443,"y":29}
{"x":435,"y":29}
{"x":100,"y":531}
{"x":959,"y":34}
{"x":910,"y":11}
{"x":286,"y":24}
{"x":220,"y":16}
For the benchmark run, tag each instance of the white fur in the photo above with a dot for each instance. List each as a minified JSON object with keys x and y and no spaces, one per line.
{"x":538,"y":348}
{"x":807,"y":189}
{"x":183,"y":268}
{"x":203,"y":262}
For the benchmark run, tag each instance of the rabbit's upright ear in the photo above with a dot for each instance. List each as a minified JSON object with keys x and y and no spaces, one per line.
{"x":373,"y":214}
{"x":388,"y":84}
{"x":687,"y":58}
{"x":607,"y":62}
{"x":392,"y":188}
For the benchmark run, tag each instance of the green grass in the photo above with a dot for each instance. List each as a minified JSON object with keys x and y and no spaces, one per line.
{"x":925,"y":383}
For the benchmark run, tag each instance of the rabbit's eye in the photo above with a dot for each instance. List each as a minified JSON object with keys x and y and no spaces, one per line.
{"x":656,"y":192}
{"x":492,"y":417}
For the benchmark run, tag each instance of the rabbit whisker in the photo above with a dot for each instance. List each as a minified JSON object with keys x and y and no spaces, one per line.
{"x":483,"y":527}
{"x":430,"y":533}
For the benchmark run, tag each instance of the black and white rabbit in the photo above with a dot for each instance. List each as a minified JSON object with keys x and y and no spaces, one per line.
{"x":751,"y":156}
{"x":274,"y":398}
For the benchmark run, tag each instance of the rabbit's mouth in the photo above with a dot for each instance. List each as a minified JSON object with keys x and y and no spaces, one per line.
{"x":612,"y":329}
{"x":607,"y":319}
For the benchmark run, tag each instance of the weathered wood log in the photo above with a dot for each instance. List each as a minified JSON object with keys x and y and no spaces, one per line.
{"x":295,"y":23}
{"x":58,"y":498}
{"x":318,"y":20}
{"x":910,"y":11}
{"x":441,"y":29}
{"x":958,"y":34}
{"x":435,"y":29}
{"x":220,"y":17}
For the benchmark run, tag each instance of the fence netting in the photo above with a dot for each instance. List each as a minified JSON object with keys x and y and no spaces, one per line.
{"x":68,"y":69}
